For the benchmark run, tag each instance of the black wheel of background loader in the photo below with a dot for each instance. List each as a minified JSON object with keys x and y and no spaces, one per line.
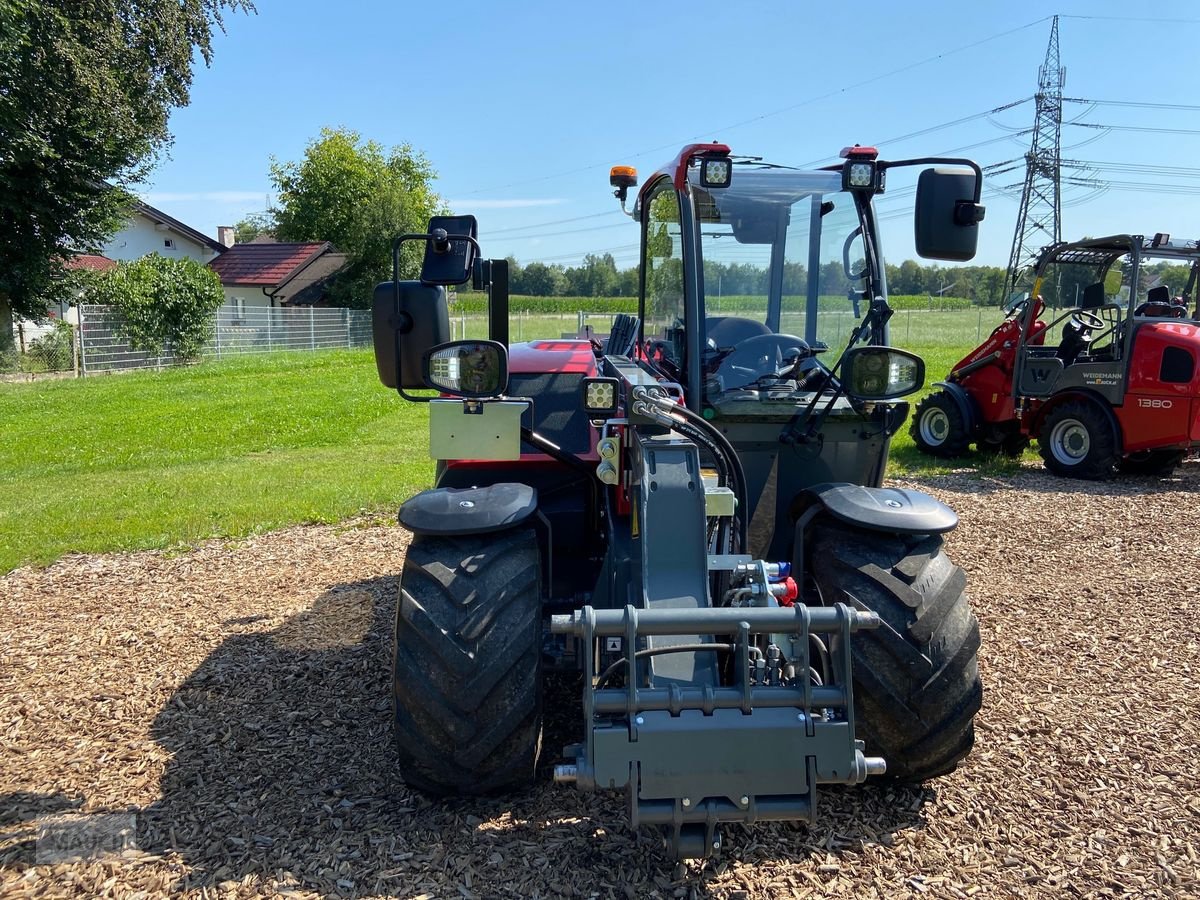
{"x":1077,"y":440}
{"x":939,"y":427}
{"x":1153,"y":462}
{"x":1011,"y":444}
{"x":468,"y":688}
{"x":916,"y":677}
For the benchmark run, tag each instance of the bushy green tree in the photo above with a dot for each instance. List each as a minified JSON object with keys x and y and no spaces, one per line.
{"x":252,"y":226}
{"x":86,"y":88}
{"x":358,"y":195}
{"x":165,"y":304}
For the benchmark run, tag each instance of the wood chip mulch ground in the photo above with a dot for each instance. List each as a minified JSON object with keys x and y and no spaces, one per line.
{"x":231,"y":704}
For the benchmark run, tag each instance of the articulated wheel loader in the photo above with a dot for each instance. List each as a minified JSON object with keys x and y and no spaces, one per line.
{"x":690,"y":512}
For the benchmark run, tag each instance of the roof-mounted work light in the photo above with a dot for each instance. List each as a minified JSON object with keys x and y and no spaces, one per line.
{"x":861,"y":171}
{"x":716,"y":171}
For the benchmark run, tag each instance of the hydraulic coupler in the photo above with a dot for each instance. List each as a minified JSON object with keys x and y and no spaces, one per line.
{"x":747,"y":749}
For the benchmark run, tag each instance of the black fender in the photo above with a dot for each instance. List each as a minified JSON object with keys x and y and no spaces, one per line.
{"x":963,"y":401}
{"x":1081,"y":394}
{"x":474,"y":510}
{"x":890,"y":510}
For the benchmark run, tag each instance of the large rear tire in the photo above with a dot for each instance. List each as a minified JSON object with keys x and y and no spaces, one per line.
{"x":916,"y":677}
{"x":939,"y":427}
{"x":1077,"y":440}
{"x":467,"y":687}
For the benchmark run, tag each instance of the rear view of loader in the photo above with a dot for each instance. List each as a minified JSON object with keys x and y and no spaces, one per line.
{"x":691,"y":514}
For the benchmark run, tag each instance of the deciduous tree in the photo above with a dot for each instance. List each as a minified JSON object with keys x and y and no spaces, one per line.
{"x":86,"y":87}
{"x":358,"y":195}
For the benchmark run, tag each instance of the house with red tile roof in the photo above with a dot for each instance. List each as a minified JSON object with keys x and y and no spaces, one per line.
{"x":270,"y":274}
{"x":91,"y":262}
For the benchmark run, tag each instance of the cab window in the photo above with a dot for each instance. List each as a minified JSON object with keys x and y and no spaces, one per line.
{"x":663,"y":313}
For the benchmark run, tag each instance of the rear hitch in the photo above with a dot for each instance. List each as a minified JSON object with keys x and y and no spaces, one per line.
{"x":692,"y":756}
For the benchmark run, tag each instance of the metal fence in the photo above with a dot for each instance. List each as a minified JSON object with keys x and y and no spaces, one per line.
{"x":104,"y":347}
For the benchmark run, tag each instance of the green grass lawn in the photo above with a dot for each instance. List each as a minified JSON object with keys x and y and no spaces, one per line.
{"x":223,"y":449}
{"x":228,"y":449}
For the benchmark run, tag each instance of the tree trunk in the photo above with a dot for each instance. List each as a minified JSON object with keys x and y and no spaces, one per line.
{"x":7,"y":344}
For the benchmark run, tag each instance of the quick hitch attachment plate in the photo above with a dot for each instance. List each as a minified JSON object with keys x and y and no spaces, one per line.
{"x":691,"y":758}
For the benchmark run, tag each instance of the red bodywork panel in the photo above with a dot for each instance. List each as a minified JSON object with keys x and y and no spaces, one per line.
{"x":991,"y":385}
{"x":566,"y":355}
{"x":677,"y":169}
{"x":1160,"y":413}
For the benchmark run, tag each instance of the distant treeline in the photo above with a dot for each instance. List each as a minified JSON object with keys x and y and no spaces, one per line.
{"x":599,"y":277}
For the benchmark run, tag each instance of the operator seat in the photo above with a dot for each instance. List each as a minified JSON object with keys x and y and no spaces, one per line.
{"x":728,"y":331}
{"x":1093,"y":296}
{"x":1076,"y":340}
{"x":1158,"y":304}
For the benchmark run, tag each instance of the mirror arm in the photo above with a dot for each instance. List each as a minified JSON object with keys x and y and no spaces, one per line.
{"x":941,"y":160}
{"x":402,"y":320}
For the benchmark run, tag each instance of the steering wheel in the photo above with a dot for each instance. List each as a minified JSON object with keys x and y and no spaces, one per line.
{"x":1086,"y":321}
{"x":761,"y":355}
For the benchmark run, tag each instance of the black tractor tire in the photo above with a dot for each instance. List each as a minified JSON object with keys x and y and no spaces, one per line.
{"x":916,"y":677}
{"x":467,"y":689}
{"x":1011,"y":445}
{"x":939,"y":427}
{"x":1077,"y":440}
{"x":1158,"y":463}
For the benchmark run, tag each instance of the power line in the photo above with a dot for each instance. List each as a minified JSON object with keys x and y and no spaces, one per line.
{"x":790,"y":108}
{"x":611,"y":212}
{"x":1135,"y":103}
{"x":1136,"y":128}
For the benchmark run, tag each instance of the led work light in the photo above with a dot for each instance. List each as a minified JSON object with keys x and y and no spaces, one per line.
{"x":861,"y":172}
{"x":599,"y":396}
{"x":716,"y":171}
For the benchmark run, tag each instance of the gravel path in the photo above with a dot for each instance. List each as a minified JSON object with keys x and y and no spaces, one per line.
{"x":234,"y":700}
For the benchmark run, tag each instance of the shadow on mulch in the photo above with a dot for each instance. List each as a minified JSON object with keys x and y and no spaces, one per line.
{"x":283,"y":770}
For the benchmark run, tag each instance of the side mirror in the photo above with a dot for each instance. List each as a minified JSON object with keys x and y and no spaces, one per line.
{"x":449,"y":261}
{"x":881,"y":373}
{"x":471,"y":369}
{"x":406,"y":323}
{"x":947,"y":216}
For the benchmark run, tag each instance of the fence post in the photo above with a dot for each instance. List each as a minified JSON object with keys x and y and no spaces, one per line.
{"x":217,"y":331}
{"x":82,"y":346}
{"x":346,"y":316}
{"x":269,"y":311}
{"x":312,"y":330}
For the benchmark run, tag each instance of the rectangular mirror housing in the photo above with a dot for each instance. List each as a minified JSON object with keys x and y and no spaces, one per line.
{"x":411,"y":320}
{"x":947,"y":217}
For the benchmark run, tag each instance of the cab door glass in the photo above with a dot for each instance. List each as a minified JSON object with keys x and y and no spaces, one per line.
{"x":663,"y":313}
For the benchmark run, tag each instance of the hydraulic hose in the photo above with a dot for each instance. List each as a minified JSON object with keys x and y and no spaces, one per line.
{"x":698,"y":429}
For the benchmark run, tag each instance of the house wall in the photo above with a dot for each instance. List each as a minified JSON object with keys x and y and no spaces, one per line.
{"x":250,"y":297}
{"x":141,"y":236}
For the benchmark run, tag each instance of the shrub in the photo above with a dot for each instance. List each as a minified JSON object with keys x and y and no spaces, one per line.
{"x":164,"y":304}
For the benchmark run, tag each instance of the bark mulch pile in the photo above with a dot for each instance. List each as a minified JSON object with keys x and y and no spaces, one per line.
{"x":228,"y":707}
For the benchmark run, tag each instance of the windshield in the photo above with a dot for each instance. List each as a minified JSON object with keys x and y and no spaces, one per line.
{"x":782,"y":253}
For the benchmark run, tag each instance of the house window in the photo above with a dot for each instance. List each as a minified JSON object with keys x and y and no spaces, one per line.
{"x":169,"y":244}
{"x":239,"y":310}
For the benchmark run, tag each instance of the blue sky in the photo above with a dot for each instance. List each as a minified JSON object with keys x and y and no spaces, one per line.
{"x":522,"y":107}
